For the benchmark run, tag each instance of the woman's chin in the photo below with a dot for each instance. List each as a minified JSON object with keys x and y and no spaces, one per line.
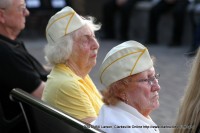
{"x":156,"y":105}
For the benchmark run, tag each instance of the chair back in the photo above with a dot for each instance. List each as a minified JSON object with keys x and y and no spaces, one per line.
{"x":41,"y":117}
{"x":7,"y":124}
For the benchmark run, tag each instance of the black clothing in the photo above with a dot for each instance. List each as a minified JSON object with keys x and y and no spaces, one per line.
{"x":198,"y":129}
{"x":195,"y":21}
{"x":178,"y":8}
{"x":18,"y":69}
{"x":109,"y":23}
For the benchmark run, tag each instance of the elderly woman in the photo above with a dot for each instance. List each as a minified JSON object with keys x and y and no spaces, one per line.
{"x":132,"y":90}
{"x":72,"y":50}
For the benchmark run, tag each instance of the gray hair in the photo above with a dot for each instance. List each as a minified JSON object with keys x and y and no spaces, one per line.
{"x":5,"y":3}
{"x":60,"y":51}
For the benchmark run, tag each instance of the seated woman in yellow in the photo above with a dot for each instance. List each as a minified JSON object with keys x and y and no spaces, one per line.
{"x":72,"y":50}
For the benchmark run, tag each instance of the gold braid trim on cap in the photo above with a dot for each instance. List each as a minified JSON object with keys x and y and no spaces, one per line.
{"x":137,"y":60}
{"x":71,"y":14}
{"x":142,"y":52}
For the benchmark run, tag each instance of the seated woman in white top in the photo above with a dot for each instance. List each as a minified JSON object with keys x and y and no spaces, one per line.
{"x":131,"y":90}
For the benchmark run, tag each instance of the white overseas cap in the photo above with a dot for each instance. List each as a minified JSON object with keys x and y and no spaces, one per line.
{"x":124,"y":60}
{"x":62,"y":23}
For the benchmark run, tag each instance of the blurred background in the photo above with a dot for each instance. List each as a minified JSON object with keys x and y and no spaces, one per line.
{"x":42,"y":10}
{"x":173,"y":63}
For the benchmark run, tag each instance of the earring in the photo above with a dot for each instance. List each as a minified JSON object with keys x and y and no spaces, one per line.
{"x":125,"y":98}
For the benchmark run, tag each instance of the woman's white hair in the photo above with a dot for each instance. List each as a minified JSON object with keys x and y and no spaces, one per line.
{"x":60,"y":51}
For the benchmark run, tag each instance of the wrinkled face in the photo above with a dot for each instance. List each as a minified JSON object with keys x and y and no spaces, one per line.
{"x":141,"y":94}
{"x":85,"y":48}
{"x":13,"y":17}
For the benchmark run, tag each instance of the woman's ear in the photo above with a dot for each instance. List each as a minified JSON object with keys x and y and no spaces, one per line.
{"x":120,"y":95}
{"x":120,"y":90}
{"x":123,"y":97}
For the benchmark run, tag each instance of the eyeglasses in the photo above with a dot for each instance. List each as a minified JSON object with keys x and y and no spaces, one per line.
{"x":23,"y":9}
{"x":151,"y":80}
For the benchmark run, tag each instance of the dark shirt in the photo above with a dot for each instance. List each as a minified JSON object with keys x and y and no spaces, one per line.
{"x":18,"y":69}
{"x":198,"y":129}
{"x":197,"y":1}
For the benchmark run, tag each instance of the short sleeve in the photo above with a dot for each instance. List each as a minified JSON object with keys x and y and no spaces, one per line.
{"x":17,"y":71}
{"x":73,"y":100}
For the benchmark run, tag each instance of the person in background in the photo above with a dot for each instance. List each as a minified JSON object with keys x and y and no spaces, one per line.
{"x":196,"y":41}
{"x":188,"y":119}
{"x":132,"y":90}
{"x":78,"y":6}
{"x":110,"y":8}
{"x":195,"y":21}
{"x":72,"y":50}
{"x":178,"y":8}
{"x":18,"y":68}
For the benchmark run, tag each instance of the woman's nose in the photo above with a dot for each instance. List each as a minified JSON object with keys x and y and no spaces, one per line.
{"x":26,"y":13}
{"x":95,"y":44}
{"x":156,"y":86}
